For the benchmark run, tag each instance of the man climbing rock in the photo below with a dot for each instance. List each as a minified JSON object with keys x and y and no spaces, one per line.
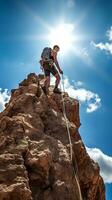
{"x":49,"y":63}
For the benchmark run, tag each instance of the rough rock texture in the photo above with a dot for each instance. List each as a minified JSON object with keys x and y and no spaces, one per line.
{"x":34,"y":149}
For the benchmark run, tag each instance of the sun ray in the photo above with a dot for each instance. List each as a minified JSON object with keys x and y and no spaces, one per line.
{"x":67,"y":35}
{"x":63,"y":36}
{"x":34,"y":15}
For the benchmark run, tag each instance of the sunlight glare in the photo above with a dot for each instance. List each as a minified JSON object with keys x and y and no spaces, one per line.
{"x":63,"y":36}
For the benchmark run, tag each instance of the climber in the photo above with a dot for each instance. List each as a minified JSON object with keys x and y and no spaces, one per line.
{"x":48,"y":62}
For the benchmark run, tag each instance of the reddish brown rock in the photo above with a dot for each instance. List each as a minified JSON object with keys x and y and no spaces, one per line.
{"x":35,"y":152}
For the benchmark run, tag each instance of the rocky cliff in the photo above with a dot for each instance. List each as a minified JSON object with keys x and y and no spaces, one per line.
{"x":35,"y":152}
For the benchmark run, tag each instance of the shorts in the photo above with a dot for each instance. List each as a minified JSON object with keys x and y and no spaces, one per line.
{"x":48,"y":68}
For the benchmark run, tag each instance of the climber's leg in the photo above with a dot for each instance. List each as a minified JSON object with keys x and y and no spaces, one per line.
{"x":57,"y":76}
{"x":47,"y":78}
{"x":56,"y":89}
{"x":55,"y":73}
{"x":46,"y":84}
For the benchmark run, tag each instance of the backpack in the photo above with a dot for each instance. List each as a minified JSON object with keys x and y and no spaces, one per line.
{"x":46,"y":54}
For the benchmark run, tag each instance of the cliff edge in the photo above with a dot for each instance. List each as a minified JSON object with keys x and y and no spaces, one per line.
{"x":35,"y":152}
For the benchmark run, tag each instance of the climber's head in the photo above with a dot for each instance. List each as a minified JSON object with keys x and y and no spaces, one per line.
{"x":56,"y":48}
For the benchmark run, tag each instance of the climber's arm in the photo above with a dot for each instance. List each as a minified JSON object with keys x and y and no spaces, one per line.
{"x":57,"y":64}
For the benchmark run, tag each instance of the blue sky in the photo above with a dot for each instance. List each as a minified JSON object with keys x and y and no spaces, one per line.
{"x":24,"y":24}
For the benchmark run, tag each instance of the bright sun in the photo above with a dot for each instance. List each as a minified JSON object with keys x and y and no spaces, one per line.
{"x":63,"y":36}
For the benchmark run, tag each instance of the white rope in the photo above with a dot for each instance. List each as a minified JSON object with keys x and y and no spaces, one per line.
{"x":69,"y":137}
{"x":66,"y":120}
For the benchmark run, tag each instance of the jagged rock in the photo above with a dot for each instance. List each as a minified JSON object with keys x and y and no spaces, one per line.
{"x":35,"y":151}
{"x":14,"y":183}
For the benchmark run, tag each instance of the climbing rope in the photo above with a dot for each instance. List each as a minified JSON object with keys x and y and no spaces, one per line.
{"x":69,"y":137}
{"x":66,"y":120}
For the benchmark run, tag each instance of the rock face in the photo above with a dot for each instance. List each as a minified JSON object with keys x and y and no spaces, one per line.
{"x":35,"y":152}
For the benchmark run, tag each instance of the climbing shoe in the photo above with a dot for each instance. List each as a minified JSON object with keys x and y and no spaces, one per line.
{"x":56,"y":90}
{"x":44,"y":90}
